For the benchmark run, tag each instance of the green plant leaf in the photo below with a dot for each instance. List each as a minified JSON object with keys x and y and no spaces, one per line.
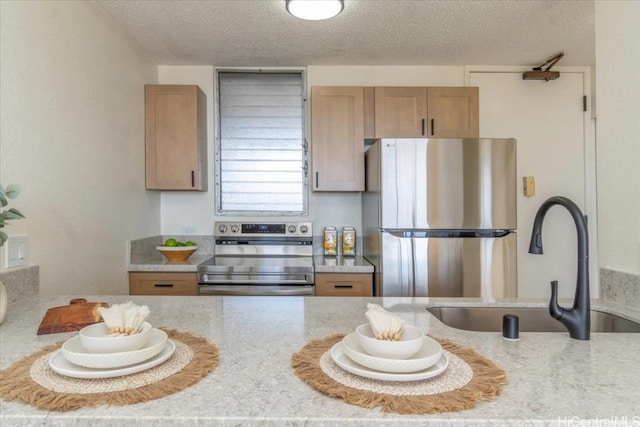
{"x":12,"y":214}
{"x":3,"y":201}
{"x":13,"y":191}
{"x":3,"y":237}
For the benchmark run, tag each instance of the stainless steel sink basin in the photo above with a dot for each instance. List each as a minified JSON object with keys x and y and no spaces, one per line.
{"x":489,"y":319}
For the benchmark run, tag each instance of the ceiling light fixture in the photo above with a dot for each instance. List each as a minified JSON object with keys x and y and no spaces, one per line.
{"x":314,"y":10}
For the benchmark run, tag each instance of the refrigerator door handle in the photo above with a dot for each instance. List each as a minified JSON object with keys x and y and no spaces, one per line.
{"x":446,"y":233}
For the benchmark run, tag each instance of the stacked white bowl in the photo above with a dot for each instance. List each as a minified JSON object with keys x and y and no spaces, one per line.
{"x":95,"y":348}
{"x":412,"y":352}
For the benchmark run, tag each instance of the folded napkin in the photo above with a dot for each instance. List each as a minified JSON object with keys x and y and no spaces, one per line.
{"x":124,"y":319}
{"x":384,"y":324}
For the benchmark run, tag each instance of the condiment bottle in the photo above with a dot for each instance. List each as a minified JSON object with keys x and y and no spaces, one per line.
{"x":348,"y":241}
{"x":330,"y":241}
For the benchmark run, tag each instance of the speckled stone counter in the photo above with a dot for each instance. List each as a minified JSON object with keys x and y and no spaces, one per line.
{"x":322,"y":264}
{"x":143,"y":256}
{"x":21,"y":283}
{"x":552,"y":379}
{"x":159,"y":264}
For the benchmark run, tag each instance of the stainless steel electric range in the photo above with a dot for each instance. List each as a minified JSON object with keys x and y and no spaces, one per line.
{"x":270,"y":258}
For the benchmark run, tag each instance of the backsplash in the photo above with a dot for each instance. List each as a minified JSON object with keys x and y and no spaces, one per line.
{"x":620,"y":288}
{"x":21,"y":283}
{"x":142,"y":249}
{"x":318,"y":245}
{"x":139,"y":250}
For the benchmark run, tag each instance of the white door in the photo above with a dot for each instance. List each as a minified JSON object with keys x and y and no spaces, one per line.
{"x":548,"y":121}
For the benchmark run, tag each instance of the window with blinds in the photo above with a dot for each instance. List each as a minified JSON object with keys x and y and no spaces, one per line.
{"x":260,"y":153}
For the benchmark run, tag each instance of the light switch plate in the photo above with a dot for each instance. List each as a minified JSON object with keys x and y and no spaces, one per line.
{"x":16,"y":251}
{"x":529,"y":186}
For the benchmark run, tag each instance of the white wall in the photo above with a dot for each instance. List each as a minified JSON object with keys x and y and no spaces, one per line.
{"x":618,"y":134}
{"x":385,"y":76}
{"x":72,"y":135}
{"x":191,"y":208}
{"x":197,"y":209}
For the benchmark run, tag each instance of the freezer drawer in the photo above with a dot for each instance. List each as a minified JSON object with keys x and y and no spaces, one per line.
{"x":447,"y":267}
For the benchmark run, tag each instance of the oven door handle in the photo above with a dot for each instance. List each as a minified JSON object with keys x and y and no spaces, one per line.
{"x":255,"y":290}
{"x":291,"y":279}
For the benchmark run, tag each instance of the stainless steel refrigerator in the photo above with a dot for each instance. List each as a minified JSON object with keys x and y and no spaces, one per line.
{"x":439,"y":217}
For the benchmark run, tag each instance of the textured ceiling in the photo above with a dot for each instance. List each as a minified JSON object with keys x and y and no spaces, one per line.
{"x":367,"y":32}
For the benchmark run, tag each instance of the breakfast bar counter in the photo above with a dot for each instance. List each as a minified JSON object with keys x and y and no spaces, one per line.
{"x":551,"y":379}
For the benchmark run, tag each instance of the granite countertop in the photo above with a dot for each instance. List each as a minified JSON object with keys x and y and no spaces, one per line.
{"x":322,"y":264}
{"x":161,"y":264}
{"x":552,"y":379}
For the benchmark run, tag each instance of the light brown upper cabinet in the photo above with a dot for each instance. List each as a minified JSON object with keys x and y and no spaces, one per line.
{"x":453,"y":112}
{"x":443,"y":112}
{"x":401,"y":112}
{"x":337,"y":138}
{"x":176,"y":137}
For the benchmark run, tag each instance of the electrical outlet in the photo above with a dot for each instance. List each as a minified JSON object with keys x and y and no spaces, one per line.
{"x":17,"y":251}
{"x":189,"y":230}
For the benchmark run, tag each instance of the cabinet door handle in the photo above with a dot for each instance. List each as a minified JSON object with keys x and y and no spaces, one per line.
{"x":316,"y":179}
{"x":423,"y":126}
{"x":163,"y":285}
{"x":433,"y":126}
{"x":193,"y":178}
{"x":343,"y":286}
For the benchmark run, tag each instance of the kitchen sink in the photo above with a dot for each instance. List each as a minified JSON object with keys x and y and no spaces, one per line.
{"x":489,"y":319}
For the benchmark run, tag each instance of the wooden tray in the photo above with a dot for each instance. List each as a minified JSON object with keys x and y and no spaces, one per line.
{"x":69,"y":318}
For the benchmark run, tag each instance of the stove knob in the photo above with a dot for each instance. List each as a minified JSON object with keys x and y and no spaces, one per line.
{"x":292,"y":228}
{"x":235,"y":228}
{"x":222,"y":228}
{"x":304,"y":229}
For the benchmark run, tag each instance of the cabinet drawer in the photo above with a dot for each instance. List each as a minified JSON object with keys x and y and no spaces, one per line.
{"x":163,"y":284}
{"x":352,"y":285}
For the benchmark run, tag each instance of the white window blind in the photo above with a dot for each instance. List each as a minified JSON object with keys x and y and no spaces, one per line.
{"x":261,"y":155}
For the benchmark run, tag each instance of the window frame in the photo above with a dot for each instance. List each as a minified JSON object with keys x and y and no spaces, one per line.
{"x":304,"y":148}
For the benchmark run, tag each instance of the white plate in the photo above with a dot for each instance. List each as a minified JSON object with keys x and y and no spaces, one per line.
{"x":427,"y":356}
{"x":75,"y":353}
{"x":342,"y":360}
{"x":59,"y":364}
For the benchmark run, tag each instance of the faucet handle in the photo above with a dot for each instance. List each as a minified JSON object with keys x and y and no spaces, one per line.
{"x":554,"y":309}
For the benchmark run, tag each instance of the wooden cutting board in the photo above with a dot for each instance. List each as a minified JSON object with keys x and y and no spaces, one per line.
{"x":69,"y":318}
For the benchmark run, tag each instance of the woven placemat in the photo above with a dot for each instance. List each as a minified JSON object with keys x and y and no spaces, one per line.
{"x":469,"y":378}
{"x":31,"y":380}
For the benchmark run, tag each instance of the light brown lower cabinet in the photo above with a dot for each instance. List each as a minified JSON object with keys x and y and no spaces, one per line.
{"x":344,"y":284}
{"x":163,"y":283}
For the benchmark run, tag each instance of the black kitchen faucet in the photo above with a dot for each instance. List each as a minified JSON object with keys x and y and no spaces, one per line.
{"x":577,"y":319}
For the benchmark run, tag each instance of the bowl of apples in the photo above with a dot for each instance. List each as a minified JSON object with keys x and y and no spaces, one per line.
{"x":174,"y":250}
